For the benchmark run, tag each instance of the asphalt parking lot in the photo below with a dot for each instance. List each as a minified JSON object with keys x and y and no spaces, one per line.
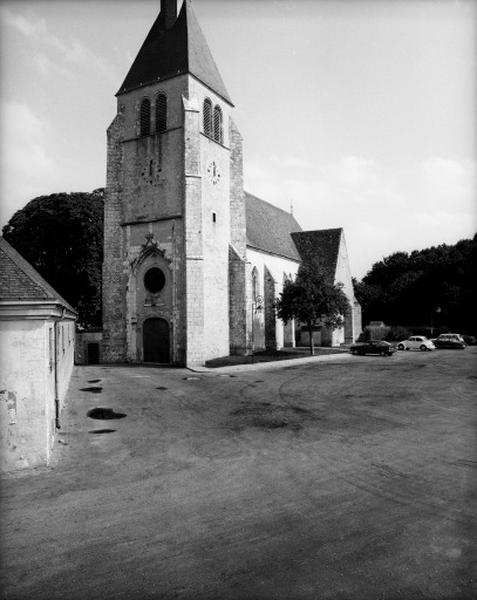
{"x":346,"y":478}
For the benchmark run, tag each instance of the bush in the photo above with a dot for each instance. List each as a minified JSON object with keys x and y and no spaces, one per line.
{"x":61,"y":235}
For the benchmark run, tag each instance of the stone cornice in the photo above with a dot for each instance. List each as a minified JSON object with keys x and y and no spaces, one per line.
{"x":34,"y":309}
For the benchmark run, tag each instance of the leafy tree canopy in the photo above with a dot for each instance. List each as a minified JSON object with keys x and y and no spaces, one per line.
{"x":311,"y":299}
{"x":61,"y":235}
{"x":434,"y":287}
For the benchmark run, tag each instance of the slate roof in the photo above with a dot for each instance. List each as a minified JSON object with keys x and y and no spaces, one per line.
{"x":20,"y":281}
{"x":269,"y":228}
{"x":168,"y":52}
{"x":322,"y":245}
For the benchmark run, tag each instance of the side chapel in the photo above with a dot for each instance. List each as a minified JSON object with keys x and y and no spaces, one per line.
{"x":192,"y":263}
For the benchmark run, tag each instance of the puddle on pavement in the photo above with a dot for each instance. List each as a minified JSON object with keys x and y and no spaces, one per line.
{"x":104,"y":414}
{"x":102,"y":431}
{"x":92,"y":389}
{"x":161,"y":388}
{"x":94,"y":380}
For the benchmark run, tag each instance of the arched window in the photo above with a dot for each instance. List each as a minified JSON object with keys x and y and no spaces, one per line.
{"x":145,"y":117}
{"x":161,"y":112}
{"x":218,"y":129}
{"x":255,"y":293}
{"x":207,"y":117}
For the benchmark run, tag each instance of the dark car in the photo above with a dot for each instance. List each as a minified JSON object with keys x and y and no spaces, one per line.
{"x":373,"y":347}
{"x":450,"y":340}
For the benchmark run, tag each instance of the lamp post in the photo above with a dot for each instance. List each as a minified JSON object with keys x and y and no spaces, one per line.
{"x":436,"y":310}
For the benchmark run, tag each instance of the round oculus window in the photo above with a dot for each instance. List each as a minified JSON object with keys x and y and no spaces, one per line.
{"x":154,"y":280}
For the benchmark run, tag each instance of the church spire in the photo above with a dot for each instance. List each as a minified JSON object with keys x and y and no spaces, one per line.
{"x":174,"y":46}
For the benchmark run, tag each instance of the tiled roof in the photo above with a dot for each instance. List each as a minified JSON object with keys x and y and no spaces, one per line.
{"x":269,"y":228}
{"x":321,"y":245}
{"x":180,"y":49}
{"x":20,"y":281}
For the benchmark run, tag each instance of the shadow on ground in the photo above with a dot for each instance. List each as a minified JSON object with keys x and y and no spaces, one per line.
{"x":270,"y":356}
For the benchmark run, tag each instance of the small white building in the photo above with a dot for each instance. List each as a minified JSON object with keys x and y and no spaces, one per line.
{"x":37,"y":329}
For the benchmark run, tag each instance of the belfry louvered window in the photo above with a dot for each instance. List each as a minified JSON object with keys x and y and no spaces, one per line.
{"x":218,"y":129}
{"x":207,"y":117}
{"x":145,"y":117}
{"x":161,"y":112}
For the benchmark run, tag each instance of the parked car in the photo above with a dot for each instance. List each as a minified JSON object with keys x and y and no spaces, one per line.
{"x":373,"y":347}
{"x":450,"y":340}
{"x":416,"y":342}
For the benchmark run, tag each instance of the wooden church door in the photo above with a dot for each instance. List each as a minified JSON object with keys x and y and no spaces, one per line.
{"x":155,"y":335}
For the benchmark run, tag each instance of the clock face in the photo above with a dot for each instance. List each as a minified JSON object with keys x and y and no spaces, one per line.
{"x":213,"y":173}
{"x":151,"y":172}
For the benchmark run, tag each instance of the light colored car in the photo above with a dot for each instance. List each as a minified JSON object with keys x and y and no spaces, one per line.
{"x":416,"y":342}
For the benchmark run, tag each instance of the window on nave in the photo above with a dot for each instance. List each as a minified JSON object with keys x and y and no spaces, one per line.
{"x":145,"y":117}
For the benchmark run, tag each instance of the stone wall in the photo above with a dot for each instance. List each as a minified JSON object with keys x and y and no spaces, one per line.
{"x":193,"y":241}
{"x":144,"y":197}
{"x":270,"y":295}
{"x":352,"y":327}
{"x":277,"y":268}
{"x":31,"y":352}
{"x":237,"y":253}
{"x":237,"y":303}
{"x":113,"y":297}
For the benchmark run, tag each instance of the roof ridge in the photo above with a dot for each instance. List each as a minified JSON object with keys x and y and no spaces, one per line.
{"x":322,"y":230}
{"x":269,"y":204}
{"x":205,"y":53}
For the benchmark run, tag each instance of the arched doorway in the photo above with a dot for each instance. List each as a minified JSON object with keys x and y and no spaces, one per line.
{"x":155,"y":336}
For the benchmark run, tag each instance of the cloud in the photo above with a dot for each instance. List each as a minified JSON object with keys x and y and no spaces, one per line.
{"x":46,"y":66}
{"x":442,"y":181}
{"x":25,"y":163}
{"x":66,"y":53}
{"x":290,"y":162}
{"x":27,"y":27}
{"x":376,"y":204}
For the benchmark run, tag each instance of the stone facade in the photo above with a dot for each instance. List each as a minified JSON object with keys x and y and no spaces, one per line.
{"x":270,"y":272}
{"x":175,"y":209}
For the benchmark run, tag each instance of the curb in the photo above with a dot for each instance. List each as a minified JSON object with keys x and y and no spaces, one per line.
{"x":273,"y":364}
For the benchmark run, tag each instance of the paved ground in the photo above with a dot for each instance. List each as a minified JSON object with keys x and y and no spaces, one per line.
{"x":344,"y":478}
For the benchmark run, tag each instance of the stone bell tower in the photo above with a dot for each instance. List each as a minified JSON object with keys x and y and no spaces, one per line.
{"x":174,"y":231}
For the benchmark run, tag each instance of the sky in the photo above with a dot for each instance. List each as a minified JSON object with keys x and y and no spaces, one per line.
{"x":358,"y":114}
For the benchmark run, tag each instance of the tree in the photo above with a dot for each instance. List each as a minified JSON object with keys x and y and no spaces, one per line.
{"x":425,"y":287}
{"x":61,"y":235}
{"x":312,"y":298}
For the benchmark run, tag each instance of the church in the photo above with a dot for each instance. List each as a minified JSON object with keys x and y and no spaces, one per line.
{"x":192,"y":263}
